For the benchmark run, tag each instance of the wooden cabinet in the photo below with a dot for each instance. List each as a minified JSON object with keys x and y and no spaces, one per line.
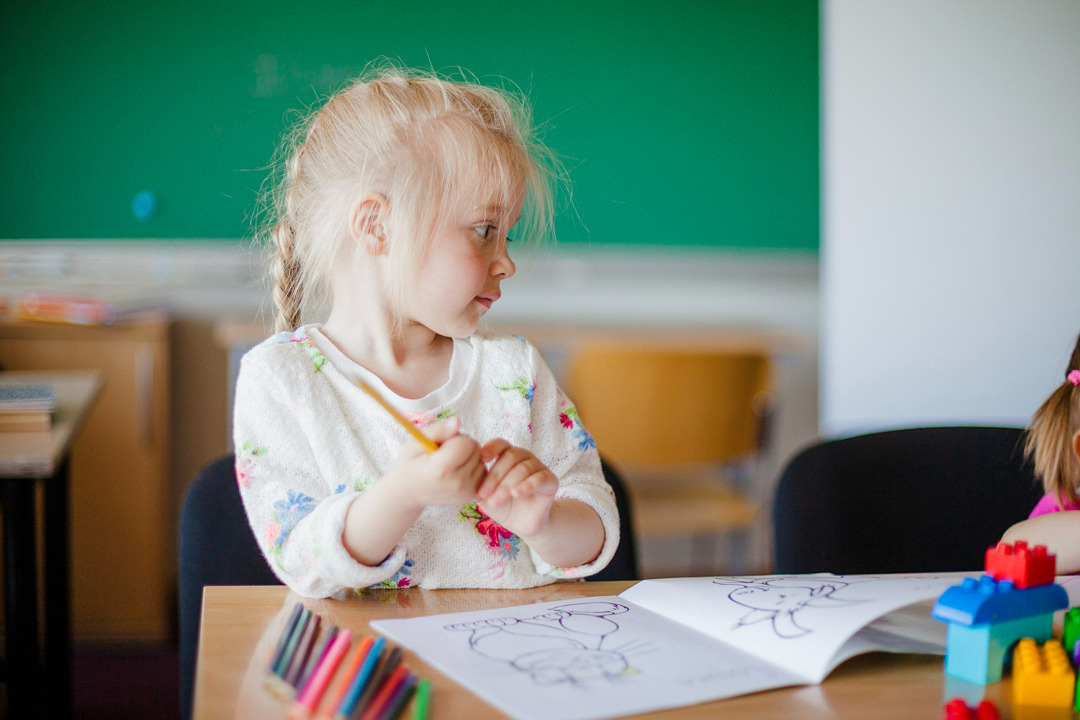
{"x":122,"y":525}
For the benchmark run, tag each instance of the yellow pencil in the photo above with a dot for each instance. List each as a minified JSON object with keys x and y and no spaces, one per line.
{"x":429,"y":444}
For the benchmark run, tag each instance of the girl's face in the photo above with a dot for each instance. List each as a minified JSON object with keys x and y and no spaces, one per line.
{"x":459,"y":278}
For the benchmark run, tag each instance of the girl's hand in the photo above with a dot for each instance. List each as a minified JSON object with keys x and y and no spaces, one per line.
{"x":448,"y":476}
{"x":518,"y":490}
{"x":379,"y":517}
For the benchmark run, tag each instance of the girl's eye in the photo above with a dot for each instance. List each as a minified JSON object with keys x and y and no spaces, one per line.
{"x":487,"y":232}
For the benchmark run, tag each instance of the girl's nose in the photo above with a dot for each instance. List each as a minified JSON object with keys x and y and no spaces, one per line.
{"x":503,"y":267}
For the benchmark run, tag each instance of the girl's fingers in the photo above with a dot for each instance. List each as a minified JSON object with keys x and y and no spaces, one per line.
{"x":496,"y":450}
{"x":504,"y":469}
{"x":525,"y":478}
{"x":542,"y":483}
{"x":499,"y":486}
{"x":493,"y":448}
{"x":438,"y":433}
{"x":443,"y":430}
{"x":459,"y":453}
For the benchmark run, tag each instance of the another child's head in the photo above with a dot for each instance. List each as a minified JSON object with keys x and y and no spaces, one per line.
{"x":420,"y":143}
{"x":1054,"y":435}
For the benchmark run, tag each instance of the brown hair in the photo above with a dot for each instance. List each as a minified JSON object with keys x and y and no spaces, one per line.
{"x":419,"y":140}
{"x":1049,"y":441}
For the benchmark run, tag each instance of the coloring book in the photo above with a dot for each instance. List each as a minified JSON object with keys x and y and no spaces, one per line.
{"x":673,"y":642}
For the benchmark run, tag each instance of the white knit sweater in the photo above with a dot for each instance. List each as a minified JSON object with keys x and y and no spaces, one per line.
{"x":308,"y":441}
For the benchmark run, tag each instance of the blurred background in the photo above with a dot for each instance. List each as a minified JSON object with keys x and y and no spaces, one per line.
{"x":878,"y":198}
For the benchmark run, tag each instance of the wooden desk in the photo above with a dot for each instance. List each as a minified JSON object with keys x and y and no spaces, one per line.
{"x":38,"y":675}
{"x":240,"y":626}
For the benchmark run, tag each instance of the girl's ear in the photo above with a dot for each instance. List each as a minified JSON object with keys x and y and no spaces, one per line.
{"x":367,"y":223}
{"x":1076,"y":444}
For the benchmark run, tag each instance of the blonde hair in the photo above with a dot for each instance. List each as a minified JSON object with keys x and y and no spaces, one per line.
{"x":421,"y":141}
{"x":1049,"y":441}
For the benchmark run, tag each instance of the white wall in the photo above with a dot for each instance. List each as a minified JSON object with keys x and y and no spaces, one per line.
{"x":950,"y":257}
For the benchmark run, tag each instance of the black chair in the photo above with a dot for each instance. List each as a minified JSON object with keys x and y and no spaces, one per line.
{"x":624,"y":564}
{"x":217,"y":547}
{"x":917,"y":500}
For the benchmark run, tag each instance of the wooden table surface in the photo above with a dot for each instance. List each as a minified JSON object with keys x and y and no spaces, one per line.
{"x":242,"y":624}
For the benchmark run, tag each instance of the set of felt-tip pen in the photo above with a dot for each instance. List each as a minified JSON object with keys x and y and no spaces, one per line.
{"x":328,"y":675}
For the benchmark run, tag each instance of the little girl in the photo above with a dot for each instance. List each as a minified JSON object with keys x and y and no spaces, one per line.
{"x":392,"y":218}
{"x":1054,"y":444}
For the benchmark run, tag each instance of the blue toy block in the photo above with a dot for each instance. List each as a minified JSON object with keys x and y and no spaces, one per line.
{"x":987,"y":601}
{"x":978,"y":654}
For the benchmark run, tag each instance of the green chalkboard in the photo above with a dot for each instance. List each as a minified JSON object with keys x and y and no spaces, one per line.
{"x":691,"y":122}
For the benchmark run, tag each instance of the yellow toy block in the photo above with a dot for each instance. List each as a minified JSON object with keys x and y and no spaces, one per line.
{"x":1042,"y":675}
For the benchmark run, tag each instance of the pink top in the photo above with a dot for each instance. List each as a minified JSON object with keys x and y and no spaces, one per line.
{"x":1049,"y":504}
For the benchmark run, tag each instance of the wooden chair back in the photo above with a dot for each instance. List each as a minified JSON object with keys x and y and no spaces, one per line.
{"x":657,"y":405}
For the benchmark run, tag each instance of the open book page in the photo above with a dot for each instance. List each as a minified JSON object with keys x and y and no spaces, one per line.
{"x":799,"y":622}
{"x":909,"y":629}
{"x":580,"y":659}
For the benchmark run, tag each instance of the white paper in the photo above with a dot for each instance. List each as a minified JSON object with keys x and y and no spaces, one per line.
{"x":672,"y":642}
{"x":585,"y":658}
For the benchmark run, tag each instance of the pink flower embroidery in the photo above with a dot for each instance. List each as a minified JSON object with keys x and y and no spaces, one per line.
{"x":242,"y":469}
{"x":423,"y":419}
{"x":272,"y":532}
{"x":493,"y":531}
{"x":566,"y":420}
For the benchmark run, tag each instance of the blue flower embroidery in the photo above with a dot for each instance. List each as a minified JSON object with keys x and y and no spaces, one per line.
{"x":401,"y":579}
{"x":585,"y":440}
{"x":290,"y":511}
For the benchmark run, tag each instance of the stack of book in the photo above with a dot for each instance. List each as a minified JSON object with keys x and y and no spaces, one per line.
{"x":26,"y":406}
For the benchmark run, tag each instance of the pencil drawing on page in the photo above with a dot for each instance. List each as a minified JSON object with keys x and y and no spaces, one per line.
{"x":570,"y":644}
{"x":780,"y":600}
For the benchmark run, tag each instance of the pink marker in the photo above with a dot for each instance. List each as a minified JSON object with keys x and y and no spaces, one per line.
{"x":315,"y":688}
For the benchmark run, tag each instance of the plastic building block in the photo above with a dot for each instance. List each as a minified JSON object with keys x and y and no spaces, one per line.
{"x":957,"y":709}
{"x":1026,"y":567}
{"x":1041,"y":675}
{"x":978,"y":654}
{"x":1071,"y":633}
{"x":988,"y":601}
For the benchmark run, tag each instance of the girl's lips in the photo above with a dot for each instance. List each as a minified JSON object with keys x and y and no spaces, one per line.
{"x":488,"y":300}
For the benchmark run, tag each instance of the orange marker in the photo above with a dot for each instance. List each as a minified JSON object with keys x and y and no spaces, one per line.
{"x":333,"y":698}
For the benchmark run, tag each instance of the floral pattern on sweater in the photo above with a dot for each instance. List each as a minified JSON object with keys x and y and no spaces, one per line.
{"x":245,"y":461}
{"x":287,"y":512}
{"x":570,"y":420}
{"x":502,"y":544}
{"x":526,"y":389}
{"x":310,"y":441}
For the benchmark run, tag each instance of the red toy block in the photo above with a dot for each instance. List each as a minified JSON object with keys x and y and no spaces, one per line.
{"x":957,"y":709}
{"x":1026,"y":567}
